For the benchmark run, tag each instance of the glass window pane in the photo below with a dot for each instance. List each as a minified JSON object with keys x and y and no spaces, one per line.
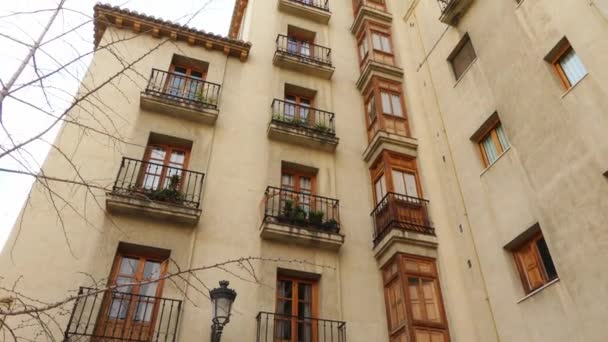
{"x":305,"y":292}
{"x":502,"y":137}
{"x":284,"y":289}
{"x":545,"y":256}
{"x":386,"y":103}
{"x":119,"y":308}
{"x":128,"y":266}
{"x":158,"y":153}
{"x":489,"y":149}
{"x":124,"y":280}
{"x":178,"y":157}
{"x":376,"y":41}
{"x":399,"y":182}
{"x":305,"y":184}
{"x":144,"y":310}
{"x":410,"y":184}
{"x":287,"y":181}
{"x":371,"y":108}
{"x":573,"y":67}
{"x":386,"y":45}
{"x":151,"y":270}
{"x":380,"y":189}
{"x":396,"y":101}
{"x":180,"y":70}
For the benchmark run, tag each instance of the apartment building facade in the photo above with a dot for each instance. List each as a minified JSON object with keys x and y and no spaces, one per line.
{"x":417,"y":171}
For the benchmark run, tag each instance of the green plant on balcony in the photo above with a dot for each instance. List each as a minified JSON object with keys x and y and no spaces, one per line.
{"x":169,"y":194}
{"x":316,"y":218}
{"x":331,"y":224}
{"x":206,"y":98}
{"x":322,"y":127}
{"x":299,"y":215}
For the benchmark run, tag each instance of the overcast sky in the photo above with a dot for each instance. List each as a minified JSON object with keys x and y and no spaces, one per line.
{"x":23,"y":122}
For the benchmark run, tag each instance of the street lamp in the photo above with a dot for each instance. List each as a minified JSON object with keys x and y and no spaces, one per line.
{"x":222,"y":299}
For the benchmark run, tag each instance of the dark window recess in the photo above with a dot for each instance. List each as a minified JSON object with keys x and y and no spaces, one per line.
{"x":462,"y":56}
{"x":545,"y":256}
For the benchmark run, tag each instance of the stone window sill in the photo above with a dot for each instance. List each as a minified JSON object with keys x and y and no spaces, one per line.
{"x":574,"y":86}
{"x":496,"y":161}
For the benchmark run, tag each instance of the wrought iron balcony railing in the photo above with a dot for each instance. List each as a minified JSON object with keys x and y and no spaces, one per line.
{"x":320,"y":4}
{"x":111,"y":315}
{"x":301,"y":209}
{"x":305,"y":51}
{"x":273,"y":327}
{"x":396,"y":211}
{"x":184,"y":89}
{"x":300,"y":116}
{"x":159,"y":182}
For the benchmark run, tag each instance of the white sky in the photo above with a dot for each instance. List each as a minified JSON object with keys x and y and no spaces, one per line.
{"x":22,"y":121}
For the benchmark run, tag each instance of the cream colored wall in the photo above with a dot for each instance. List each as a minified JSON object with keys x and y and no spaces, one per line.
{"x":553,"y":172}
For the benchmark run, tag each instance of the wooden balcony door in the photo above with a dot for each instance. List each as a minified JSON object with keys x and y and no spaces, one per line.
{"x":296,"y":306}
{"x":186,"y":82}
{"x":299,"y":46}
{"x":301,"y":186}
{"x":163,"y":164}
{"x":297,"y":109}
{"x":129,"y":311}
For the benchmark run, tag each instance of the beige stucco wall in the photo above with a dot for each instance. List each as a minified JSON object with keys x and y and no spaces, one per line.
{"x":553,"y":172}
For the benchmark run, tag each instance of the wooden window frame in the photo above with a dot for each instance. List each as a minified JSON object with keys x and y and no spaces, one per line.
{"x":299,"y":98}
{"x":376,"y":4}
{"x":366,"y":34}
{"x":564,"y":47}
{"x":297,"y":174}
{"x":402,"y":275}
{"x":301,"y":38}
{"x":128,"y":322}
{"x":532,"y":241}
{"x":169,"y":149}
{"x":362,"y":39}
{"x":386,"y":163}
{"x":493,"y":132}
{"x":295,"y":300}
{"x":457,"y":49}
{"x":189,"y":70}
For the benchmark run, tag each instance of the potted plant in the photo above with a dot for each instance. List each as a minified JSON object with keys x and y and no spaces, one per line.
{"x":316,"y":218}
{"x":299,"y":215}
{"x":331,"y":225}
{"x":320,"y":126}
{"x":287,"y":212}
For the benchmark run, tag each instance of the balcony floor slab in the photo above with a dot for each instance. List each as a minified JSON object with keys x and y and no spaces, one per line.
{"x":301,"y":136}
{"x":179,"y":109}
{"x":301,"y":64}
{"x":290,"y":234}
{"x":141,"y":206}
{"x":405,"y":241}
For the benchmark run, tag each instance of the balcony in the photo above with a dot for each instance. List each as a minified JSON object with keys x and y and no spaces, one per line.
{"x":156,"y":191}
{"x":303,"y":57}
{"x":110,"y":315}
{"x":371,"y":11}
{"x":302,"y":125}
{"x":180,"y":96}
{"x":301,"y":218}
{"x":278,"y":327}
{"x":315,"y":10}
{"x":403,"y":213}
{"x":452,"y":10}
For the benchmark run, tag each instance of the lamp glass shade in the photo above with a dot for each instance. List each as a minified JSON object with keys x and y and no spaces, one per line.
{"x":222,"y":299}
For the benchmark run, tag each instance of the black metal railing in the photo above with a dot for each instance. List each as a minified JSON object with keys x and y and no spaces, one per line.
{"x":278,"y":327}
{"x":159,"y":182}
{"x":396,"y":211}
{"x":301,"y":209}
{"x":301,"y":116}
{"x":110,"y":315}
{"x":320,"y":4}
{"x":446,"y":5}
{"x":305,"y":51}
{"x":184,"y":89}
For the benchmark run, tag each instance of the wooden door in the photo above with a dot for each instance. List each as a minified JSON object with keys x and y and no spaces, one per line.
{"x":186,"y":82}
{"x":129,"y":310}
{"x":296,"y":308}
{"x":162,"y":166}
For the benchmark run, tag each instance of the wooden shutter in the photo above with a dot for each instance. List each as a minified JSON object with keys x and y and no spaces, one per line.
{"x":396,"y":304}
{"x":530,"y":266}
{"x":423,"y":335}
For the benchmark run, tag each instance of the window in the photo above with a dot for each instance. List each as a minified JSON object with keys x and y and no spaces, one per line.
{"x":363,"y":49}
{"x":568,"y":65}
{"x":391,"y":103}
{"x":371,"y":108}
{"x":296,"y":300}
{"x":132,"y":308}
{"x":300,"y":41}
{"x":413,"y":300}
{"x":405,"y":183}
{"x":164,"y":162}
{"x":300,"y":185}
{"x":297,"y":108}
{"x":493,"y":144}
{"x":462,"y":56}
{"x":381,"y":42}
{"x":534,"y":261}
{"x":380,"y":187}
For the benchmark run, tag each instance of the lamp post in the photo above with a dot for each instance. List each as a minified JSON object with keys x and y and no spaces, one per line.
{"x":222,"y":299}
